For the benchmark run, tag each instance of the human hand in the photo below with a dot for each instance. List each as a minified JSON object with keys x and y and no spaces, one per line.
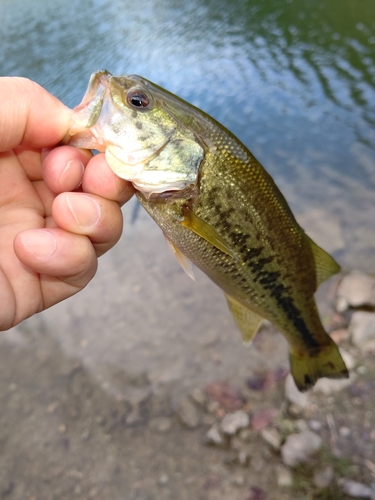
{"x":59,"y":208}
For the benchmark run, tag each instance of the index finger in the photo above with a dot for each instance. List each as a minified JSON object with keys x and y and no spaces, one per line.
{"x":99,"y":179}
{"x":29,"y":115}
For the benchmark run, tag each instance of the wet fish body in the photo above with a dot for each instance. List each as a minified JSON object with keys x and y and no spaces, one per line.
{"x":218,"y":208}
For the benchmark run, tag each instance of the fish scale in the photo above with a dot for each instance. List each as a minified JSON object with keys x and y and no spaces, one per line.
{"x":218,"y":208}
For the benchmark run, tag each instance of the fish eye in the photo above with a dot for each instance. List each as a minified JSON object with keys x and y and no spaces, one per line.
{"x":138,"y":99}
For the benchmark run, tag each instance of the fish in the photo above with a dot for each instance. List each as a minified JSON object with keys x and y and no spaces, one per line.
{"x":218,"y":208}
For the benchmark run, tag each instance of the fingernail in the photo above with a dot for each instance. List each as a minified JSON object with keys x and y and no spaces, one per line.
{"x":71,"y":176}
{"x":39,"y":242}
{"x":85,"y":210}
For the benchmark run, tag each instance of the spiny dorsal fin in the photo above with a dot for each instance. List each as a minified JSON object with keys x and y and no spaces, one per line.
{"x":247,"y":321}
{"x":325,"y":265}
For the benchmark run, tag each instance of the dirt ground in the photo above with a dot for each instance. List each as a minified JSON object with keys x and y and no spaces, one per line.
{"x":110,"y":395}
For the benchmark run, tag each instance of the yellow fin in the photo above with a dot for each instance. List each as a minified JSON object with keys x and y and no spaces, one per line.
{"x":308,"y":368}
{"x":184,"y":262}
{"x":247,"y":321}
{"x":205,"y":231}
{"x":325,"y":265}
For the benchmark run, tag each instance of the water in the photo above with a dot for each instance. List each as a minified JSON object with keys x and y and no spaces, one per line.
{"x":294,"y":80}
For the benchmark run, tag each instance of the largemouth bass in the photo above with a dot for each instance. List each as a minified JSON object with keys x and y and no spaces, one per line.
{"x":218,"y":208}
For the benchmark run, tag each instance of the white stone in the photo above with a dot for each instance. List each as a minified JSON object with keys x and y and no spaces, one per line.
{"x":233,"y":422}
{"x":357,"y":289}
{"x":330,"y":385}
{"x":355,"y":489}
{"x":293,"y":395}
{"x":214,"y":437}
{"x":345,"y":431}
{"x":271,"y":437}
{"x":362,"y":329}
{"x":188,"y":413}
{"x":315,"y":425}
{"x":284,"y":476}
{"x":300,"y":447}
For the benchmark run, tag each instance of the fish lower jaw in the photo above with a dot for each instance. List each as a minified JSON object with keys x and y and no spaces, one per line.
{"x":161,"y":190}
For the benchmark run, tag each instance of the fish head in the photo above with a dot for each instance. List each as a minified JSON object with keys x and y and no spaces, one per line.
{"x":139,"y":127}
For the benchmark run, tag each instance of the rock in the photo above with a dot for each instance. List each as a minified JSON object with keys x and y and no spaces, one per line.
{"x":356,"y":290}
{"x":243,"y":458}
{"x":134,"y":418}
{"x":135,"y":396}
{"x":355,"y":489}
{"x":345,"y":432}
{"x":163,"y":480}
{"x":161,"y":424}
{"x":199,"y":397}
{"x":233,"y":422}
{"x":328,"y":385}
{"x":315,"y":425}
{"x":213,"y":437}
{"x":263,"y":418}
{"x":226,"y":395}
{"x":295,"y":411}
{"x":238,"y":481}
{"x":293,"y":395}
{"x":362,"y":330}
{"x":271,"y":437}
{"x":323,"y":477}
{"x":284,"y":476}
{"x":300,"y":447}
{"x":188,"y":413}
{"x":339,"y":335}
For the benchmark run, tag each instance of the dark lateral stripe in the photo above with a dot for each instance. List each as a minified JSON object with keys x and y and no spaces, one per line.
{"x":294,"y":315}
{"x":270,"y":281}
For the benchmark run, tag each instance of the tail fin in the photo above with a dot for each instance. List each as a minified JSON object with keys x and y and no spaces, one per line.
{"x":309,"y":367}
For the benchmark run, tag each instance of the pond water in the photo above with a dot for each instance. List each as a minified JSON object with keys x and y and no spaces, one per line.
{"x":294,"y":80}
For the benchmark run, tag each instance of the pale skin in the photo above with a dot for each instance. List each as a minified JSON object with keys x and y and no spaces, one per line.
{"x":59,"y":206}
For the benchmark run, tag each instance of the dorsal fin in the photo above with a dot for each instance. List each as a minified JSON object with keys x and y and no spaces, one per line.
{"x":325,"y":265}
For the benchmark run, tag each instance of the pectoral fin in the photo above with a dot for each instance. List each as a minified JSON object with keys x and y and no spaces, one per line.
{"x":205,"y":231}
{"x":184,"y":262}
{"x":247,"y":321}
{"x":325,"y":265}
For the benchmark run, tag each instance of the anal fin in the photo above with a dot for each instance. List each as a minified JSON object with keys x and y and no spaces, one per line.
{"x":247,"y":321}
